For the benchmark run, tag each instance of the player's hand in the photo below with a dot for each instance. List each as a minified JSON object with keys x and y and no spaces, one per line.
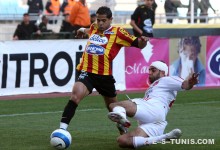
{"x":144,"y":38}
{"x":142,"y":41}
{"x":193,"y":79}
{"x":80,"y":33}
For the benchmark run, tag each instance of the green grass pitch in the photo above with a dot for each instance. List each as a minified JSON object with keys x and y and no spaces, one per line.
{"x":27,"y":124}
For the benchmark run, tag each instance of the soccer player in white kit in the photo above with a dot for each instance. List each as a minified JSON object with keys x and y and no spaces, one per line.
{"x":151,"y":110}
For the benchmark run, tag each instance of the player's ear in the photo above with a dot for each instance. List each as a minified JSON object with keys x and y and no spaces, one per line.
{"x":163,"y":73}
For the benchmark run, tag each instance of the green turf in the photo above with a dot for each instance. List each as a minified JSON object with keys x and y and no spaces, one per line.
{"x":27,"y":124}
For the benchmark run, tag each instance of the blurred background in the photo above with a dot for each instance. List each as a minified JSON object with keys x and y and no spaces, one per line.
{"x":11,"y":13}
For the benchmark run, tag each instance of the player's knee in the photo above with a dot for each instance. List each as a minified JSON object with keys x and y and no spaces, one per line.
{"x":122,"y":141}
{"x":112,"y":105}
{"x":75,"y":98}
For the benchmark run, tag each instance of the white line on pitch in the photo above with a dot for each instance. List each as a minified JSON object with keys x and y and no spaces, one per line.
{"x":195,"y":103}
{"x":54,"y":112}
{"x":42,"y":113}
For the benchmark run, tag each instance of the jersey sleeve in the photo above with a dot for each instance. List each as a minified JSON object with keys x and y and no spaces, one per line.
{"x":135,"y":15}
{"x":124,"y":38}
{"x":173,"y":83}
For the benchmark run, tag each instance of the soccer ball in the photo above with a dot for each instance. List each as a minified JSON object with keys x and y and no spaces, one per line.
{"x":60,"y":139}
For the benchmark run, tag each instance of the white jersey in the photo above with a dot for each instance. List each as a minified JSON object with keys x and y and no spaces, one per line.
{"x":164,"y":90}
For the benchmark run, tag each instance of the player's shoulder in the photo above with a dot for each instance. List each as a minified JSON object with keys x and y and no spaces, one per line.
{"x":20,"y":25}
{"x":115,"y":27}
{"x":143,"y":6}
{"x":94,"y":26}
{"x":172,"y":78}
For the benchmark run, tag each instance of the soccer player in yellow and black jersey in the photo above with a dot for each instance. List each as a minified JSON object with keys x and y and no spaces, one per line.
{"x":95,"y":69}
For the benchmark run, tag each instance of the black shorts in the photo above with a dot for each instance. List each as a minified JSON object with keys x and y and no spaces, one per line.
{"x":104,"y":84}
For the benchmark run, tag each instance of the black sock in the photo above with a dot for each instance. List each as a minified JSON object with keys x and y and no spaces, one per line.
{"x":69,"y":112}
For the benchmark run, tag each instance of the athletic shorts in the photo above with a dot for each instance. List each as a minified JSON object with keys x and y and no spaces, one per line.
{"x":104,"y":84}
{"x":150,"y":116}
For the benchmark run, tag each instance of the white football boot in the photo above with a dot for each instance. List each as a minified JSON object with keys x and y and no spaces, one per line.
{"x":117,"y":117}
{"x":174,"y":134}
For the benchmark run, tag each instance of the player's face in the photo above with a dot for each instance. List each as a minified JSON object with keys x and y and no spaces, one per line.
{"x":149,"y":3}
{"x":93,"y":19}
{"x":26,"y":18}
{"x":103,"y":22}
{"x":154,"y":74}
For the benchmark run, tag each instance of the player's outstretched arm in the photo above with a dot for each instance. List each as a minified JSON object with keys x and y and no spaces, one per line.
{"x":190,"y":82}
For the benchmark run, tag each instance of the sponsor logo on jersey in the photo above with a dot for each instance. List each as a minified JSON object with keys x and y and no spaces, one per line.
{"x":150,"y":89}
{"x":108,"y":32}
{"x":148,"y":23}
{"x":95,"y":49}
{"x":214,"y":63}
{"x":148,"y":26}
{"x":98,"y":40}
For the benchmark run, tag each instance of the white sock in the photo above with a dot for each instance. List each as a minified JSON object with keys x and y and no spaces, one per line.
{"x":63,"y":125}
{"x":139,"y":141}
{"x":121,"y":110}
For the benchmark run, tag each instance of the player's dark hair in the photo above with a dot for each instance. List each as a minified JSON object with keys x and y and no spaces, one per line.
{"x":192,"y":40}
{"x":44,"y":17}
{"x":25,"y":14}
{"x":93,"y":15}
{"x":105,"y":11}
